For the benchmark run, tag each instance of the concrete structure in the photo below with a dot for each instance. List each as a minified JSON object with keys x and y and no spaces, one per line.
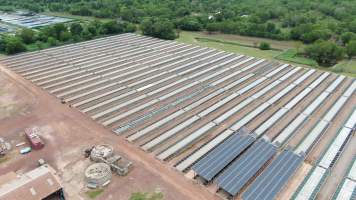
{"x":4,"y":147}
{"x":98,"y":175}
{"x":102,"y":151}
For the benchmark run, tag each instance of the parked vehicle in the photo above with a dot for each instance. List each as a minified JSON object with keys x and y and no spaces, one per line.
{"x":34,"y":138}
{"x":25,"y":150}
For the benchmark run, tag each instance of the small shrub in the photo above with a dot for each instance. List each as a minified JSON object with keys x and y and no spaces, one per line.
{"x":265,"y":46}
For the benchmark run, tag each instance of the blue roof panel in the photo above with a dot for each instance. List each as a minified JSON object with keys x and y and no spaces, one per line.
{"x":271,"y":181}
{"x":244,"y":168}
{"x":217,"y":159}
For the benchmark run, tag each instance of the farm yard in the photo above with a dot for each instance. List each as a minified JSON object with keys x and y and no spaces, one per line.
{"x":243,"y":126}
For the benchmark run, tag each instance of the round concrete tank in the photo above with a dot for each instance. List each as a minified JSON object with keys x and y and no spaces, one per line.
{"x":100,"y":152}
{"x":98,"y":174}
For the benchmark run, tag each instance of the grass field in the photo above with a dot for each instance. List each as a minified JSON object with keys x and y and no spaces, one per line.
{"x":94,"y":193}
{"x":253,"y":41}
{"x":291,"y":55}
{"x":191,"y":37}
{"x":284,"y":51}
{"x":347,"y":67}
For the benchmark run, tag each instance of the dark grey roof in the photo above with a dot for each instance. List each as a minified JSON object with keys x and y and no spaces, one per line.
{"x":244,"y":168}
{"x":271,"y":181}
{"x":217,"y":159}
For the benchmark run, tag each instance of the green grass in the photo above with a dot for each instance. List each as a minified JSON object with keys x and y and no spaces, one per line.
{"x":243,"y":40}
{"x":146,"y":196}
{"x":346,"y":67}
{"x":204,"y":39}
{"x":236,"y":44}
{"x":225,"y":45}
{"x":94,"y":193}
{"x":291,"y":55}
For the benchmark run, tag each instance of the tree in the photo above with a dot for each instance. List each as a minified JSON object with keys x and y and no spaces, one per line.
{"x":76,"y":29}
{"x":65,"y":36}
{"x":94,"y":27}
{"x":326,"y":53}
{"x":265,"y":46}
{"x":81,"y":10}
{"x":189,"y":24}
{"x":160,"y":28}
{"x":14,"y":45}
{"x":39,"y":45}
{"x":2,"y":44}
{"x":212,"y":27}
{"x":52,"y":41}
{"x":347,"y":37}
{"x":271,"y":27}
{"x":130,"y":28}
{"x":297,"y":32}
{"x":86,"y":35}
{"x":42,"y":36}
{"x":352,"y":26}
{"x":55,"y":30}
{"x":27,"y":35}
{"x":112,"y":27}
{"x":351,"y":49}
{"x":316,"y":34}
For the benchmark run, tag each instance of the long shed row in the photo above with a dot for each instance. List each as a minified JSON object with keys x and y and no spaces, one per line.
{"x":242,"y":123}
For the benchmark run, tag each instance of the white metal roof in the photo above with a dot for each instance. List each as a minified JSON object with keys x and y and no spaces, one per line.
{"x":346,"y":191}
{"x":311,"y":184}
{"x":334,"y":148}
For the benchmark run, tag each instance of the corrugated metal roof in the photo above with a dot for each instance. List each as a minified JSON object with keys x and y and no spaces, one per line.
{"x":347,"y":191}
{"x":351,"y":122}
{"x":292,"y":126}
{"x":185,"y":142}
{"x":352,"y":173}
{"x":289,"y":130}
{"x":203,"y":150}
{"x":335,"y":148}
{"x":216,"y":160}
{"x":170,"y":133}
{"x":310,"y":187}
{"x":310,"y":139}
{"x":271,"y":181}
{"x":350,"y":90}
{"x":241,"y":171}
{"x":334,"y":110}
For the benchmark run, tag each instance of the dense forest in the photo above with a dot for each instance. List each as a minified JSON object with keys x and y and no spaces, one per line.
{"x":330,"y":24}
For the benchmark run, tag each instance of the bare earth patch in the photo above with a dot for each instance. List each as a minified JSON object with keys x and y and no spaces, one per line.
{"x":66,"y":133}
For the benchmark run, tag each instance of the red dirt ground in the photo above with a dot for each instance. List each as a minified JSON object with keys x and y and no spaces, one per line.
{"x":67,"y":133}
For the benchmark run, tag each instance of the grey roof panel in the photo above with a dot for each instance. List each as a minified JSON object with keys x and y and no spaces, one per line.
{"x":217,"y":159}
{"x":272,"y":180}
{"x":244,"y":168}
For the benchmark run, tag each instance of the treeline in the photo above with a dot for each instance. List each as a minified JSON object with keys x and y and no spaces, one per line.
{"x":313,"y":22}
{"x":305,"y":20}
{"x":61,"y":34}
